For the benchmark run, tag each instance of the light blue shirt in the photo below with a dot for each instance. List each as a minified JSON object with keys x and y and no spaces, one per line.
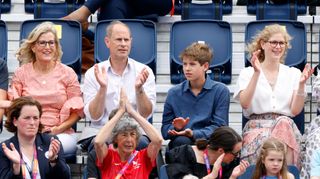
{"x":315,"y":164}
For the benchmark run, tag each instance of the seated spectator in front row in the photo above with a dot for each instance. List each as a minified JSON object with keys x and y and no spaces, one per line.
{"x":122,"y":160}
{"x":55,"y":85}
{"x":30,"y":153}
{"x":197,"y":106}
{"x":204,"y":160}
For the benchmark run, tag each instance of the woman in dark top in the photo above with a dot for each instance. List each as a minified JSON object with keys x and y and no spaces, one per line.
{"x":223,"y":148}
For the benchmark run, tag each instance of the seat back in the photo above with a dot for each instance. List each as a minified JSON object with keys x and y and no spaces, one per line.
{"x":203,"y":10}
{"x":69,"y":33}
{"x":297,"y":55}
{"x":217,"y":34}
{"x":250,"y":170}
{"x":144,"y":43}
{"x":5,"y":6}
{"x":3,"y":41}
{"x":288,"y":9}
{"x":44,"y":9}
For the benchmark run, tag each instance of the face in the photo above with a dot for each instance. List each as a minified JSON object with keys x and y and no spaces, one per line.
{"x":45,"y":47}
{"x":28,"y":121}
{"x":119,"y":43}
{"x":193,"y":70}
{"x":275,"y":47}
{"x":230,"y":156}
{"x":127,"y":141}
{"x":273,"y":162}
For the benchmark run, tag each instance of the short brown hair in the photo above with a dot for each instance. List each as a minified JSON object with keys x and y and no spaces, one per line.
{"x":200,"y":52}
{"x":14,"y":111}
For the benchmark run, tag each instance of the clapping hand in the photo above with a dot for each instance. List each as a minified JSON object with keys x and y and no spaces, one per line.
{"x":54,"y":149}
{"x":217,"y":166}
{"x":255,"y":61}
{"x":240,"y":169}
{"x":187,"y":132}
{"x":101,"y":77}
{"x":306,"y":73}
{"x":141,"y":79}
{"x":179,"y":123}
{"x":12,"y":154}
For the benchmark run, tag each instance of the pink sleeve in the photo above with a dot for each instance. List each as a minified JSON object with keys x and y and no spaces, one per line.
{"x":74,"y":101}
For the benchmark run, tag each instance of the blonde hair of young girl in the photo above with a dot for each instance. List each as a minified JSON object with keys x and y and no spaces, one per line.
{"x":270,"y":144}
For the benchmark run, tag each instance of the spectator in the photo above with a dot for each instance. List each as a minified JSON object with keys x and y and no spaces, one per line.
{"x":30,"y":153}
{"x":55,"y":85}
{"x":270,"y":93}
{"x":311,"y":137}
{"x":122,"y":160}
{"x":4,"y":78}
{"x":271,"y":162}
{"x":223,"y":146}
{"x":120,"y":9}
{"x":197,"y":106}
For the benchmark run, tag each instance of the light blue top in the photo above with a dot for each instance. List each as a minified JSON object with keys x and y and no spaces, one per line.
{"x":315,"y":164}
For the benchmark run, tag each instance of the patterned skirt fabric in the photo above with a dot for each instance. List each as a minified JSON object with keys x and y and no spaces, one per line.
{"x":311,"y":140}
{"x":262,"y":126}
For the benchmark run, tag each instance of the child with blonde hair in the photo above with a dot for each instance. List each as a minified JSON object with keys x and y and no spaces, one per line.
{"x":271,"y":163}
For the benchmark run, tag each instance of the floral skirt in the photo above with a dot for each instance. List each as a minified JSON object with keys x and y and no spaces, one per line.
{"x":262,"y":126}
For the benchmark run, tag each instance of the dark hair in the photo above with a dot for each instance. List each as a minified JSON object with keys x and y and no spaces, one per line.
{"x":223,"y":137}
{"x":14,"y":111}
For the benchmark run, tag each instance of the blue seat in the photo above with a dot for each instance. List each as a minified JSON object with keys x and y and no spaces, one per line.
{"x":144,"y":43}
{"x":3,"y":40}
{"x":5,"y":6}
{"x":289,"y":9}
{"x":297,"y":55}
{"x":70,"y":40}
{"x":42,"y":9}
{"x":250,"y":170}
{"x":215,"y":33}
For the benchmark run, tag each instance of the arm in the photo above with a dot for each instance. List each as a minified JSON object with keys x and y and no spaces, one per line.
{"x":67,"y":124}
{"x":152,"y":133}
{"x":144,"y":104}
{"x":94,"y":94}
{"x":298,"y":96}
{"x":105,"y":132}
{"x":220,"y":115}
{"x":167,"y":117}
{"x":246,"y":95}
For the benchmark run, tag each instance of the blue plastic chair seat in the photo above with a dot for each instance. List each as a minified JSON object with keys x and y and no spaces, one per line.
{"x":3,"y":40}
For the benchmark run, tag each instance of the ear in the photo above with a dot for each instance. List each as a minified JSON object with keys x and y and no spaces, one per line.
{"x":107,"y":41}
{"x":206,"y":66}
{"x":262,"y":44}
{"x":33,"y":48}
{"x":220,"y":150}
{"x":15,"y":122}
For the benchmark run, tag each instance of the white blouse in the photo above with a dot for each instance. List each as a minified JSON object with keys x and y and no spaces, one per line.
{"x":266,"y":100}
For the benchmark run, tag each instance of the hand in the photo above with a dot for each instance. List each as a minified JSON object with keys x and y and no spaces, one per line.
{"x":217,"y":166}
{"x":255,"y":61}
{"x":187,"y":132}
{"x":123,"y":99}
{"x":240,"y":169}
{"x":12,"y":154}
{"x":307,"y":72}
{"x":141,"y":79}
{"x":179,"y":123}
{"x":101,"y":77}
{"x":54,"y":149}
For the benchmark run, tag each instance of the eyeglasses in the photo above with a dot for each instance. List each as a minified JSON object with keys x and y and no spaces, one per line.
{"x":274,"y":44}
{"x":236,"y":154}
{"x":43,"y":43}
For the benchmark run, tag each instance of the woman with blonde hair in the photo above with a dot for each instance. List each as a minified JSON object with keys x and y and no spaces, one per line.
{"x":271,"y":93}
{"x":55,"y":85}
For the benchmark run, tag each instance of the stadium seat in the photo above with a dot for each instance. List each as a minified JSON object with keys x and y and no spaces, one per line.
{"x":203,"y":9}
{"x":45,"y":9}
{"x":250,"y":170}
{"x":3,"y":40}
{"x":5,"y":6}
{"x":288,"y":9}
{"x":70,"y":40}
{"x":144,"y":42}
{"x":217,"y":34}
{"x":297,"y":55}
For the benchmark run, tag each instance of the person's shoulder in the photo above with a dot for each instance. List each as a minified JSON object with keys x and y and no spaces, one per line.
{"x":178,"y":87}
{"x":289,"y":69}
{"x":290,"y":176}
{"x":138,"y":65}
{"x":216,"y":85}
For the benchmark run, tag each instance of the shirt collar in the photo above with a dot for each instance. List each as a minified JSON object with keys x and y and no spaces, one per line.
{"x":208,"y":84}
{"x":128,"y":67}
